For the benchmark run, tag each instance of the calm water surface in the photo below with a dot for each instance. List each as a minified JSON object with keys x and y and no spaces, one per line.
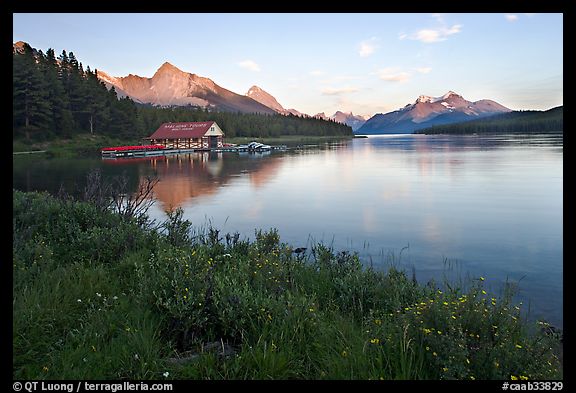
{"x":459,"y":206}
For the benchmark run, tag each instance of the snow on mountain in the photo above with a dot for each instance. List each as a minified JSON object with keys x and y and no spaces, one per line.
{"x":427,"y":111}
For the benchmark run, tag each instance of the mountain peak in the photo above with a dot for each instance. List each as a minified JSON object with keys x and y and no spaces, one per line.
{"x":354,"y":121}
{"x":265,"y":98}
{"x":430,"y":99}
{"x":19,"y":47}
{"x":449,"y":94}
{"x":342,"y":113}
{"x":254,"y":89}
{"x":423,"y":98}
{"x":168,"y":67}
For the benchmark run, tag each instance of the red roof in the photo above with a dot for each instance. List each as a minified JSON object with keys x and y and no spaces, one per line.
{"x":182,"y":130}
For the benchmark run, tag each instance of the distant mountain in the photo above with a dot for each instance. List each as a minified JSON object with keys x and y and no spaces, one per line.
{"x":428,"y":111}
{"x":354,"y":121}
{"x":265,"y":98}
{"x":172,"y":86}
{"x":517,"y":122}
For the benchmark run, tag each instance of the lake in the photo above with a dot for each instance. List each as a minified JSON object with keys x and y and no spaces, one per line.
{"x":438,"y":206}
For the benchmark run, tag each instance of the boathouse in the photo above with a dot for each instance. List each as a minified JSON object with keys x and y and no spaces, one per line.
{"x":190,"y":135}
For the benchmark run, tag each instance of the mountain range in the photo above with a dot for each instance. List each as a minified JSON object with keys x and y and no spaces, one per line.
{"x":170,"y":86}
{"x":429,"y":111}
{"x":348,"y":118}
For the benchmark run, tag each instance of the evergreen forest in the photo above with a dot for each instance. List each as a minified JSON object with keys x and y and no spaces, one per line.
{"x":55,"y":97}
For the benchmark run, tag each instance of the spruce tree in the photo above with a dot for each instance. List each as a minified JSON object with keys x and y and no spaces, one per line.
{"x":31,"y":109}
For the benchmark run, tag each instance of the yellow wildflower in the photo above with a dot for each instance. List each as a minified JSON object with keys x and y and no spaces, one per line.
{"x":375,"y":341}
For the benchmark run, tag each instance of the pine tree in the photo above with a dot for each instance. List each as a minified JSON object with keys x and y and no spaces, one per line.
{"x":61,"y":116}
{"x":31,"y":109}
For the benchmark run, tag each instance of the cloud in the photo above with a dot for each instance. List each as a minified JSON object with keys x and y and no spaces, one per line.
{"x":329,"y":91}
{"x":435,"y":34}
{"x":249,"y":65}
{"x":424,"y":70}
{"x":392,"y":74}
{"x":511,"y":17}
{"x":427,"y":36}
{"x":316,"y":73}
{"x":367,"y":47}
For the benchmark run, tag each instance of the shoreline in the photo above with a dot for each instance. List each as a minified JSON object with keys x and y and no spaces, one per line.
{"x":303,"y":313}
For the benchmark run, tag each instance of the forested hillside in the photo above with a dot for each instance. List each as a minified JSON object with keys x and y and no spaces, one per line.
{"x":55,"y":97}
{"x":520,"y":122}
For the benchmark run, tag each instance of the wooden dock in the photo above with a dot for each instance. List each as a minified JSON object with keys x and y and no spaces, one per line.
{"x":159,"y":150}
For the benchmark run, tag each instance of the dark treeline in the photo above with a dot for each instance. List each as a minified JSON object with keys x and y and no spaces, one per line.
{"x":55,"y":97}
{"x":522,"y":122}
{"x":242,"y":124}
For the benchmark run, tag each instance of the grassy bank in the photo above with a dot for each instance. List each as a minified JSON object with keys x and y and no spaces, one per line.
{"x":97,"y":296}
{"x":80,"y":145}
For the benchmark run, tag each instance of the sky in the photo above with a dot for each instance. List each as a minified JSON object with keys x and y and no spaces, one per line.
{"x":364,"y":63}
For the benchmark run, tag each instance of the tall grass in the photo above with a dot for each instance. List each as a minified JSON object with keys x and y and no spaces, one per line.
{"x":98,"y":296}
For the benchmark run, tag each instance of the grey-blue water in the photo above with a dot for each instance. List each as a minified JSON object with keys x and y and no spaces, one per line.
{"x":459,"y":206}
